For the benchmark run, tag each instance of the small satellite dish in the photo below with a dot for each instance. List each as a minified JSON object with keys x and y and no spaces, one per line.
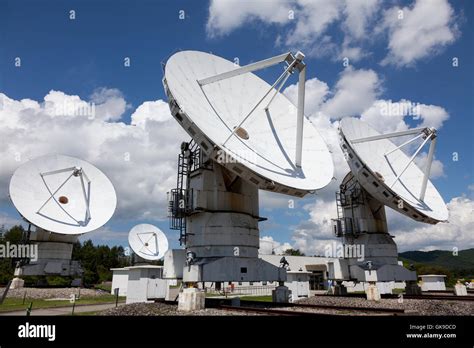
{"x":148,"y":241}
{"x":232,"y":113}
{"x":63,"y":194}
{"x":388,"y":174}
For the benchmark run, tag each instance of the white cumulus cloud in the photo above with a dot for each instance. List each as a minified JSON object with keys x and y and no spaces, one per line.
{"x":344,"y":28}
{"x":139,"y":158}
{"x":355,"y":91}
{"x":228,"y":15}
{"x":456,"y":233}
{"x":316,"y":92}
{"x":418,"y":31}
{"x":269,"y":246}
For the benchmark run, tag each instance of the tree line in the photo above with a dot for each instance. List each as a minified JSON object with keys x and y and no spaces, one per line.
{"x":96,"y":261}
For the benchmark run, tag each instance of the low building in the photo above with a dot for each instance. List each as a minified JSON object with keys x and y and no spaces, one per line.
{"x":142,"y":283}
{"x":298,"y":283}
{"x":306,"y":275}
{"x":119,"y":281}
{"x":322,"y":271}
{"x":432,"y":282}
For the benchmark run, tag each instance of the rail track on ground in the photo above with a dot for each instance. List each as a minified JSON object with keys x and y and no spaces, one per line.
{"x":440,"y":297}
{"x":270,"y":311}
{"x":469,"y":291}
{"x":426,"y":296}
{"x":272,"y":308}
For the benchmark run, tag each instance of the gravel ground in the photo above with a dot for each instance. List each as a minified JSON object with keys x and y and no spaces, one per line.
{"x":339,"y":312}
{"x":415,"y":307}
{"x":411,"y":306}
{"x":154,"y":309}
{"x":38,"y":293}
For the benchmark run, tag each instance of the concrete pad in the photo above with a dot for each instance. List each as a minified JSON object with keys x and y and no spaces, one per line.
{"x":191,"y":299}
{"x":460,"y":290}
{"x":373,"y":293}
{"x":281,"y":294}
{"x":17,"y":283}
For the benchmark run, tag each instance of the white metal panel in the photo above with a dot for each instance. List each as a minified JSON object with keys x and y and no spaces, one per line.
{"x":303,"y":287}
{"x":432,"y":282}
{"x":120,"y":281}
{"x":156,"y":288}
{"x":218,"y":107}
{"x":137,"y":286}
{"x":173,"y":264}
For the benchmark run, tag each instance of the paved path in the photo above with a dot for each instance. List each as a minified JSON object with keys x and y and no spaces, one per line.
{"x":64,"y":310}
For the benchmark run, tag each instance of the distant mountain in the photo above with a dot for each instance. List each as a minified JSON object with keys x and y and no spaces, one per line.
{"x":464,"y":260}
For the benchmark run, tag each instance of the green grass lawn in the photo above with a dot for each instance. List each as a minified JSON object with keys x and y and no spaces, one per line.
{"x":257,"y":298}
{"x":398,"y":291}
{"x":103,"y":287}
{"x":16,"y":304}
{"x":214,"y":295}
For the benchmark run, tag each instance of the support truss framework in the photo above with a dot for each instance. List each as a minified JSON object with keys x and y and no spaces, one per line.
{"x":426,"y":134}
{"x":75,"y":172}
{"x":293,"y":62}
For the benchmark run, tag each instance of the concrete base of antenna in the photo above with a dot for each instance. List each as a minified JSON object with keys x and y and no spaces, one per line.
{"x":191,"y":299}
{"x":380,"y":272}
{"x":281,"y":294}
{"x":17,"y":283}
{"x":222,"y":236}
{"x":53,"y":255}
{"x":372,"y":292}
{"x":232,"y":268}
{"x":460,"y":290}
{"x":370,"y":251}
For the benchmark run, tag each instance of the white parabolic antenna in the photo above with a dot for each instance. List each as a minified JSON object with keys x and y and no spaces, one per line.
{"x":388,"y":174}
{"x":148,"y":241}
{"x":225,"y":107}
{"x":63,"y":194}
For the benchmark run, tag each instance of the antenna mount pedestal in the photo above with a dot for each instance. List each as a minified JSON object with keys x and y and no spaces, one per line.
{"x":54,"y":255}
{"x":362,"y":225}
{"x":221,"y":222}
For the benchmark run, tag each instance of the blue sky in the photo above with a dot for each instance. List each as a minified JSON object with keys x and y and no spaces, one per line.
{"x":83,"y":55}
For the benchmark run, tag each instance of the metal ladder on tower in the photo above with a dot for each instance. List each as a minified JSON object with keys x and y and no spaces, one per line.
{"x":340,"y":224}
{"x":179,"y":205}
{"x":347,"y":198}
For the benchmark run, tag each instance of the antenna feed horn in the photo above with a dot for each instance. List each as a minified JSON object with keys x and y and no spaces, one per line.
{"x":430,"y":132}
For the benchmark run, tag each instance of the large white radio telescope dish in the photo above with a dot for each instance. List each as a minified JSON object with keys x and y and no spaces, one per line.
{"x":148,"y":241}
{"x":63,"y":194}
{"x":211,"y":109}
{"x":388,"y":174}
